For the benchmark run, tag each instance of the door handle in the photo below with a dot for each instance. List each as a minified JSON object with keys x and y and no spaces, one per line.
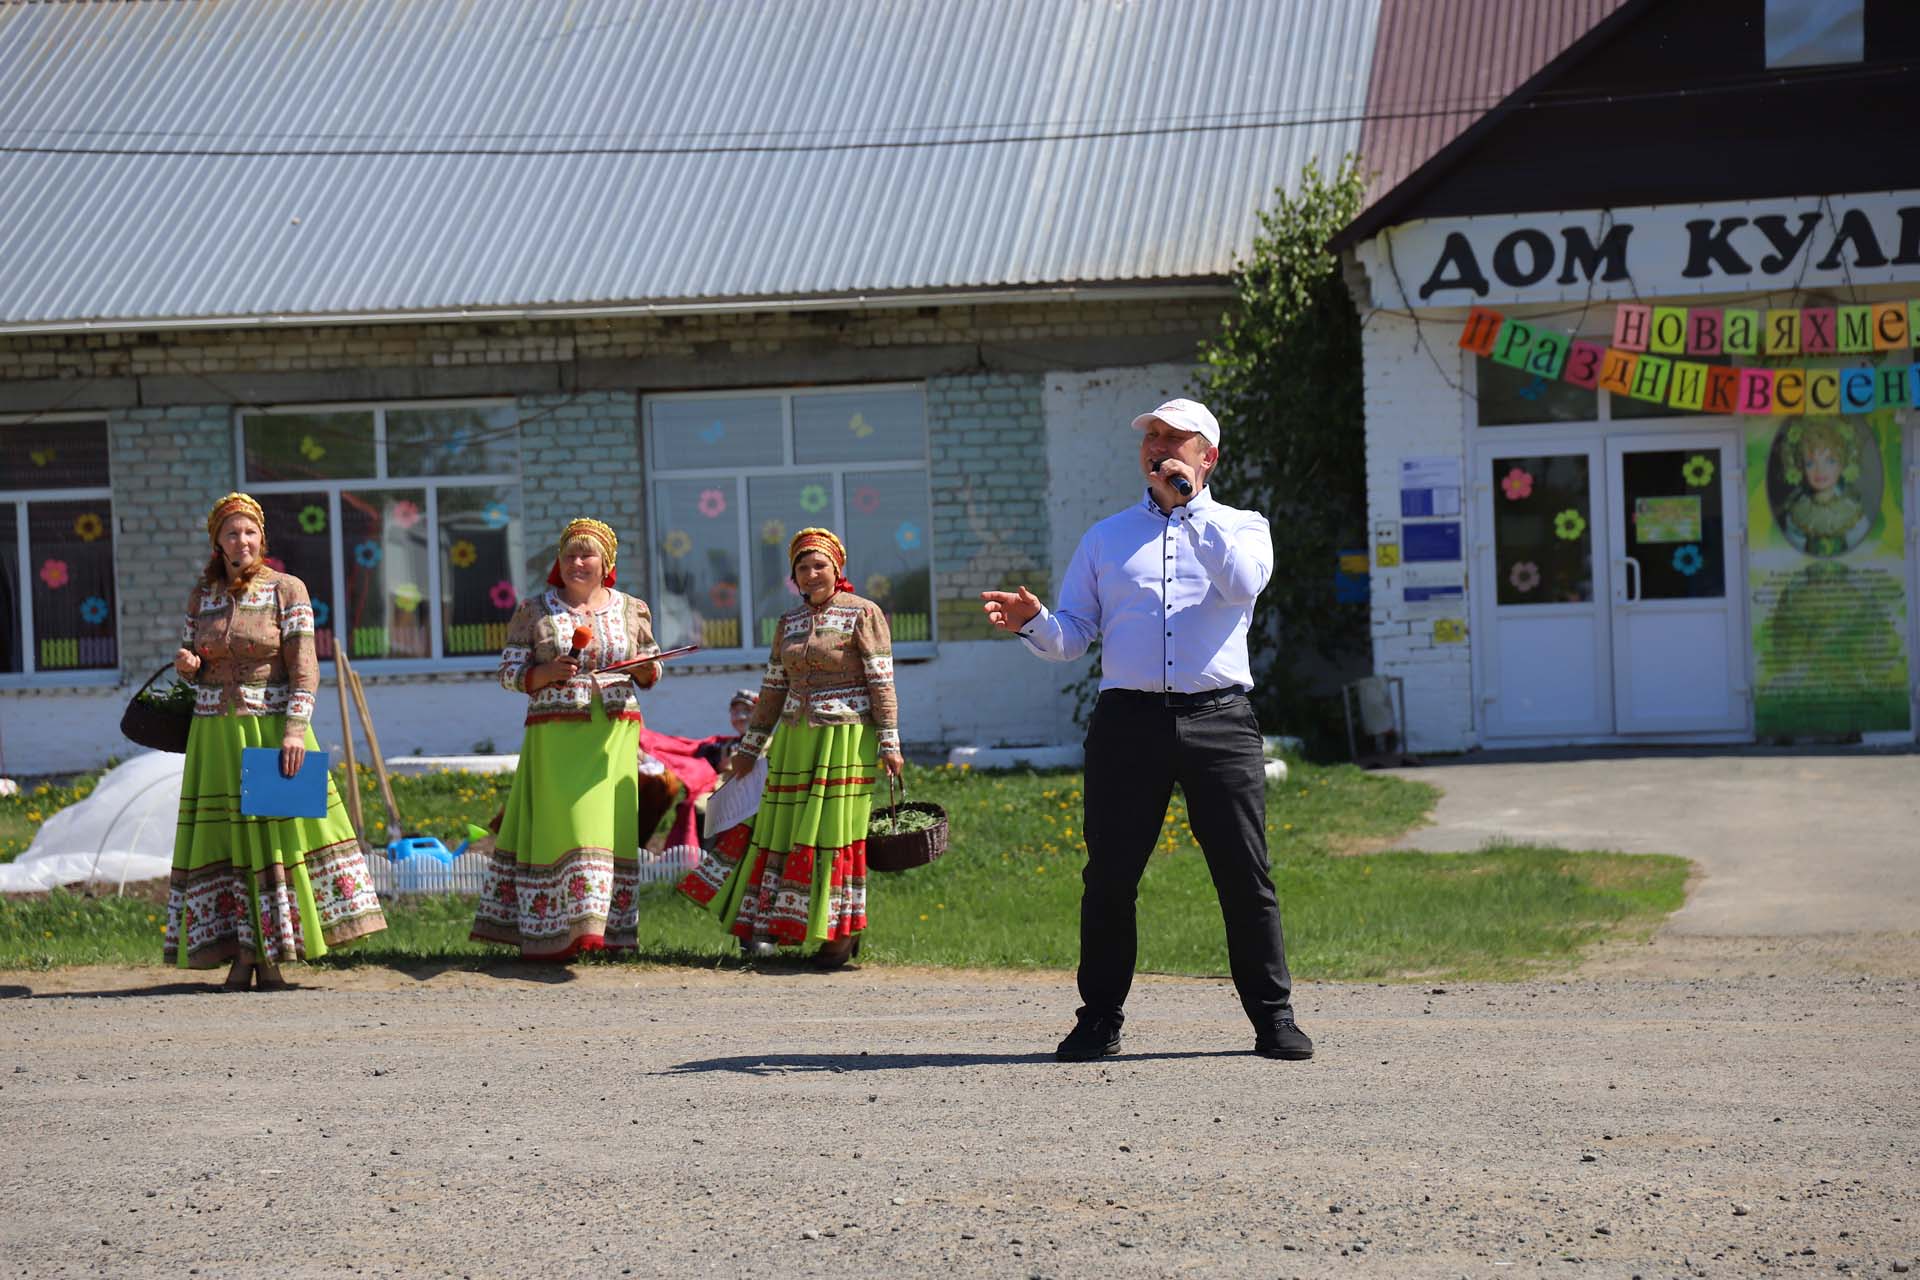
{"x":1633,"y":580}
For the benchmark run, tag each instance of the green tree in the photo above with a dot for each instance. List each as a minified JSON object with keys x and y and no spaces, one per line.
{"x":1284,"y":378}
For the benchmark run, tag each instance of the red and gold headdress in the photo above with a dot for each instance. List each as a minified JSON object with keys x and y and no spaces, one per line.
{"x":600,"y":535}
{"x":234,"y":504}
{"x":828,"y":544}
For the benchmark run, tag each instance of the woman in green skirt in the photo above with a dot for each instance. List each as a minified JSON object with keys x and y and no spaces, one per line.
{"x":255,"y":890}
{"x":797,"y":872}
{"x":565,"y":869}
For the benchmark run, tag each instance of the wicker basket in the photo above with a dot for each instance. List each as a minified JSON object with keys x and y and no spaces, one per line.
{"x":908,"y":849}
{"x":153,"y":726}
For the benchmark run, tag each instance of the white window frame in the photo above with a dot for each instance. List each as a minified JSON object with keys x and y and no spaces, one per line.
{"x":834,"y":517}
{"x":379,"y":482}
{"x":30,"y":676}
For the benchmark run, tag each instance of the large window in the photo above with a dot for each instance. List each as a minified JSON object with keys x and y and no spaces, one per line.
{"x":735,"y":475}
{"x":403,"y":520}
{"x":57,"y":604}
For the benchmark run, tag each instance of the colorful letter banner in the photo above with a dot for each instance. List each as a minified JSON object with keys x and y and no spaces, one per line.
{"x":1645,"y":359}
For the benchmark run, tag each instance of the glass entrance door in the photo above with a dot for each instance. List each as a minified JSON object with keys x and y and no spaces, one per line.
{"x":1542,"y":642}
{"x":1678,"y":625}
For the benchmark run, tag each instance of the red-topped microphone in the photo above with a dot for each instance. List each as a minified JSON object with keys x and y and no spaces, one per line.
{"x":582,"y":637}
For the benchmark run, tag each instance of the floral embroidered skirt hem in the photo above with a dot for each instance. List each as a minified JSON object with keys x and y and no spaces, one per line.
{"x":797,"y":871}
{"x":279,"y":888}
{"x":565,"y":869}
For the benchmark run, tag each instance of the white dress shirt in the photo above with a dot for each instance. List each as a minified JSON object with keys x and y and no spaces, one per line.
{"x":1168,"y":594}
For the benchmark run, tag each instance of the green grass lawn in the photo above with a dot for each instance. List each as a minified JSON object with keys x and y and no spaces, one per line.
{"x":1007,"y":893}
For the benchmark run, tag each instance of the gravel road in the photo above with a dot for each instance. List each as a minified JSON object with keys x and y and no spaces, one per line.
{"x":1661,"y":1114}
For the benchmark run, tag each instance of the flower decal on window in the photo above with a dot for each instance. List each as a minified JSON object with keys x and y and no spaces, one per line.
{"x":866,"y":499}
{"x":313,"y":519}
{"x":406,"y":597}
{"x":322,"y":613}
{"x":89,"y":527}
{"x":463,"y":554}
{"x":1517,"y":485}
{"x":725,"y":595}
{"x":907,"y":536}
{"x":813,"y":499}
{"x":879,"y":586}
{"x":367,"y":554}
{"x":1698,"y":471}
{"x":311,"y":449}
{"x":54,"y":574}
{"x":713,"y":503}
{"x":773,"y":532}
{"x":714,"y":432}
{"x":43,"y":457}
{"x":860,"y":427}
{"x":496,"y":515}
{"x":677,"y":543}
{"x":501,"y":595}
{"x":404,"y":513}
{"x":275,"y":563}
{"x":1688,"y":560}
{"x":1525,"y":576}
{"x":94,"y":610}
{"x":1569,"y":525}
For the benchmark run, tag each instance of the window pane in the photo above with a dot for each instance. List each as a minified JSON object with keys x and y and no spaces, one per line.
{"x":479,"y":553}
{"x":308,"y":446}
{"x":453,"y":442}
{"x":696,"y":539}
{"x":717,"y":432}
{"x":777,"y":508}
{"x":860,"y":426}
{"x":1510,"y":397}
{"x":53,"y":455}
{"x":11,"y":658}
{"x":1542,"y":530}
{"x":384,"y":537}
{"x":887,"y":556}
{"x":70,"y":551}
{"x":300,"y":542}
{"x":1671,"y":503}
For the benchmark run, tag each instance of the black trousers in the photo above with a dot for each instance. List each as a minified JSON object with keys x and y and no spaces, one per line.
{"x":1137,"y":748}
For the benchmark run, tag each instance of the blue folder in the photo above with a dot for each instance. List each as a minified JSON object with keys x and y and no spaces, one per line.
{"x":265,"y":793}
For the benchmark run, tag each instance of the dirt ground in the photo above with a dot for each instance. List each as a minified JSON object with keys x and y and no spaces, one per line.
{"x":1725,"y":1107}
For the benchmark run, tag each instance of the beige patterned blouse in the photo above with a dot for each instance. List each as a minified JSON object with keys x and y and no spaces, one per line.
{"x":542,"y":630}
{"x":256,"y":648}
{"x":833,"y":664}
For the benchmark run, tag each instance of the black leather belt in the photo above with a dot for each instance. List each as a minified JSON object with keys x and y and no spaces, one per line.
{"x":1204,"y":698}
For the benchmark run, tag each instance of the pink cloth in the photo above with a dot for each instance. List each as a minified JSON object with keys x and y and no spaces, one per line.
{"x":678,"y":755}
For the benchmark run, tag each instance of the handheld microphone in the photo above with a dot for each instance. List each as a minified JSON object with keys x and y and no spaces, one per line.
{"x":1179,"y":483}
{"x":582,"y":637}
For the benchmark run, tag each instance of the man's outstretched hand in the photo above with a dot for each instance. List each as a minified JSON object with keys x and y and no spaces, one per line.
{"x":1009,"y":610}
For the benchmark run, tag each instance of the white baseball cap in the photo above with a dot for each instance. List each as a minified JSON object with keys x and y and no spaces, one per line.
{"x":1184,"y":415}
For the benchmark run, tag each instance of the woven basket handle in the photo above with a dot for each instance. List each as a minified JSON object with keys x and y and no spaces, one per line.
{"x":150,"y":679}
{"x":894,"y":801}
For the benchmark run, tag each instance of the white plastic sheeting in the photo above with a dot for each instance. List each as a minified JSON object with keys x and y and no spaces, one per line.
{"x":121,"y":833}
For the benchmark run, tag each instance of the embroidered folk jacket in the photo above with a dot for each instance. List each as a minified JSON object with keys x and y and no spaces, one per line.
{"x":830,"y":665}
{"x":542,"y":630}
{"x":256,"y":649}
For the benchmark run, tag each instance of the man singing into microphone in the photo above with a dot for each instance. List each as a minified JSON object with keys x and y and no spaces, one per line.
{"x":1167,"y":586}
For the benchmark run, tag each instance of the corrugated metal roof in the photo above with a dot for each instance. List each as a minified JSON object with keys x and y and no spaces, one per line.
{"x":1439,"y":65}
{"x":253,"y":158}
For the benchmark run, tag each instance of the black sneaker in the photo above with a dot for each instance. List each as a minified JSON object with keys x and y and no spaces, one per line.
{"x":1090,"y":1038}
{"x":1285,"y":1041}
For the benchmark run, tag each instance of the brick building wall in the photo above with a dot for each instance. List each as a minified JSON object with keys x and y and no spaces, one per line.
{"x":985,"y":436}
{"x":1414,"y":411}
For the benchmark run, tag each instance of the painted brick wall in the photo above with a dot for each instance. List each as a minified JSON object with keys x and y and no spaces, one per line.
{"x":1413,"y":410}
{"x":986,"y":436}
{"x":168,"y":467}
{"x":580,"y":456}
